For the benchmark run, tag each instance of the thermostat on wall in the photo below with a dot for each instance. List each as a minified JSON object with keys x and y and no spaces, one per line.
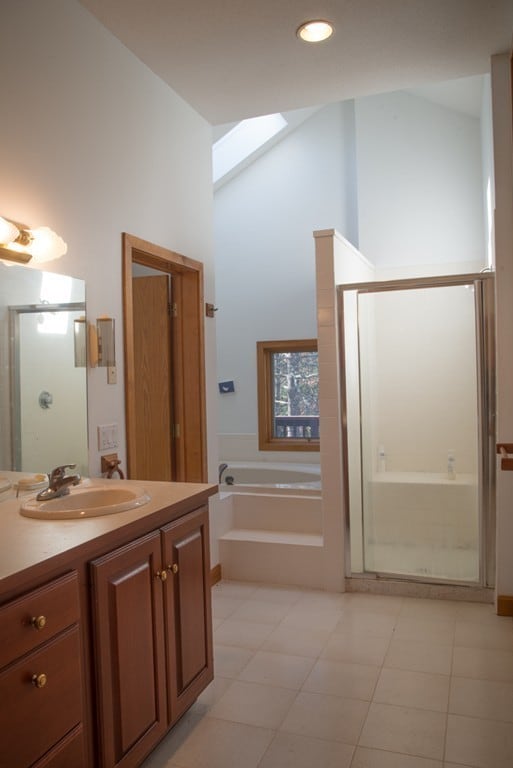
{"x":226,"y":386}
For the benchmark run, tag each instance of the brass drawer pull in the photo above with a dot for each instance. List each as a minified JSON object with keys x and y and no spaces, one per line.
{"x":162,"y":575}
{"x":38,"y":622}
{"x":173,"y":568}
{"x":39,"y":680}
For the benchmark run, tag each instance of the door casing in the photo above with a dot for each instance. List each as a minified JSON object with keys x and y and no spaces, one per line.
{"x":188,"y":356}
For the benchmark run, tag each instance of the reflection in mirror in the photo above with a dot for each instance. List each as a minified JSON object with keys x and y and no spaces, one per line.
{"x":43,"y":394}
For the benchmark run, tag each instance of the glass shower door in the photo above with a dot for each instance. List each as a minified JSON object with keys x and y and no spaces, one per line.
{"x":415,"y":431}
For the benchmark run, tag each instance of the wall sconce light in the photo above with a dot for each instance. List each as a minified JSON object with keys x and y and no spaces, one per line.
{"x":80,"y":341}
{"x":101,"y":347}
{"x":21,"y":244}
{"x":106,"y":342}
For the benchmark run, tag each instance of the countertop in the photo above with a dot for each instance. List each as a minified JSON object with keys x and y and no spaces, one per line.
{"x":27,"y":543}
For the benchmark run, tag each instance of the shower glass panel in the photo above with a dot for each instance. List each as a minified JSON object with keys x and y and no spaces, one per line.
{"x":416,"y":441}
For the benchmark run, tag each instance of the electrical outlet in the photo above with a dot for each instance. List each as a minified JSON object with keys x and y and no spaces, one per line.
{"x":107,"y":437}
{"x":112,"y":375}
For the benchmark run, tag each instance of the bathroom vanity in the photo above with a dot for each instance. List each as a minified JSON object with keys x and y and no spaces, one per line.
{"x":105,"y":629}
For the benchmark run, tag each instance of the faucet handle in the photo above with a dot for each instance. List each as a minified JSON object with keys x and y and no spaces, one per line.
{"x":60,"y":471}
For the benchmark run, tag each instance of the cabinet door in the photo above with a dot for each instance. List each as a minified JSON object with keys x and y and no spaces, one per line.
{"x":187,"y":610}
{"x":129,"y":651}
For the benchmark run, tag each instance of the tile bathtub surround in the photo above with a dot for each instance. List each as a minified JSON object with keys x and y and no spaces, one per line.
{"x":308,"y":679}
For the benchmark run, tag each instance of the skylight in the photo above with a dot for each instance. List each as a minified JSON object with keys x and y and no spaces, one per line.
{"x":244,"y":139}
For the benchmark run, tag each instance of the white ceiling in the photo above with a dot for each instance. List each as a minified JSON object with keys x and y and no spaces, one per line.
{"x":232,"y":59}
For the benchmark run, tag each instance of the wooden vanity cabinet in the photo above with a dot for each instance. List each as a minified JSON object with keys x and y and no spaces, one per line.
{"x":41,"y":681}
{"x":152,"y":636}
{"x":187,"y":612}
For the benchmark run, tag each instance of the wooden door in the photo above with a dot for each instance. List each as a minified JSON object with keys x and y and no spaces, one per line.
{"x":153,"y":383}
{"x":187,"y":610}
{"x":129,"y":652}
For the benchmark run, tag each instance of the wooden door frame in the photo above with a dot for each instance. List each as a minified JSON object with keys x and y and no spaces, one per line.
{"x":188,"y":354}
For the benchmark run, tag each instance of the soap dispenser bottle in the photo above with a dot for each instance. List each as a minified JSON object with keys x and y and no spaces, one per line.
{"x":451,"y":465}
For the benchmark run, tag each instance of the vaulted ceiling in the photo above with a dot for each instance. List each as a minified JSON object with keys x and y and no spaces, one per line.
{"x":232,"y":59}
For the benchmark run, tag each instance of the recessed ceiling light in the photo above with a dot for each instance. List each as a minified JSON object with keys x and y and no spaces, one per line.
{"x":315,"y":31}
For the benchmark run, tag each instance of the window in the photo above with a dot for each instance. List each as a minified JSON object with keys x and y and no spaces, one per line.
{"x":288,"y":395}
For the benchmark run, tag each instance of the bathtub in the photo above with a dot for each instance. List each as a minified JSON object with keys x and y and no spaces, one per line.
{"x":269,"y":523}
{"x":263,"y":477}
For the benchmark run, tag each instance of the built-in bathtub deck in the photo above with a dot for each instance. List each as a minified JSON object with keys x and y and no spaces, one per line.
{"x":275,"y":534}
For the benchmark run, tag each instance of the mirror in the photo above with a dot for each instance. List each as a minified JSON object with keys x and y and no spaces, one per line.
{"x":43,"y":387}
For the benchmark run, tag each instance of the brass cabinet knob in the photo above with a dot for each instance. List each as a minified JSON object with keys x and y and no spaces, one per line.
{"x":174,"y":567}
{"x":162,"y":575}
{"x":39,"y":680}
{"x":38,"y":622}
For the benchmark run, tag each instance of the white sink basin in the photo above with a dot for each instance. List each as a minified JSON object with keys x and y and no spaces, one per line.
{"x":87,"y":502}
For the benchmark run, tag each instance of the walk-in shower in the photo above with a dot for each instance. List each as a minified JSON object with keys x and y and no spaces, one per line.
{"x":418,"y":427}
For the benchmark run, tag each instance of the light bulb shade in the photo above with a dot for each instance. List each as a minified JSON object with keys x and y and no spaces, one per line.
{"x":46,"y":245}
{"x":315,"y":31}
{"x":8,"y":232}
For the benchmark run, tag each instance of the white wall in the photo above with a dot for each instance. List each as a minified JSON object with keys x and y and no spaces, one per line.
{"x":503,"y":153}
{"x":92,"y":144}
{"x":419,"y":182}
{"x":419,"y":388}
{"x":265,"y":266}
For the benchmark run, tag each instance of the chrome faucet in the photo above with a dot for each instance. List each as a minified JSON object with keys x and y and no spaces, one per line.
{"x":222,"y":469}
{"x":59,"y":483}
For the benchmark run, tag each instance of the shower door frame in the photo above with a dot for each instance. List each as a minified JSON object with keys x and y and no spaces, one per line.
{"x":484,"y":314}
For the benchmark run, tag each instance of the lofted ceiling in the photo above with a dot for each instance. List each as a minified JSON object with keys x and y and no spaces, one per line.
{"x":232,"y":59}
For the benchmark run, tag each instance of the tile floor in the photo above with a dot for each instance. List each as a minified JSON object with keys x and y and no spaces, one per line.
{"x":317,"y":680}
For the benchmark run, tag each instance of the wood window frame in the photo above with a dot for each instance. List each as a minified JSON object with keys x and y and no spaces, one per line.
{"x":266,"y":439}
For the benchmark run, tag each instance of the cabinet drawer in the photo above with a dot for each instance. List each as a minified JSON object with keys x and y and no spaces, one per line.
{"x":33,"y":719}
{"x":34,"y":618}
{"x":69,"y":753}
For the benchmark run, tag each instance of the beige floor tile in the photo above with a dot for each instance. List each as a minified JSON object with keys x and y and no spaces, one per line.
{"x":412,"y":689}
{"x":322,"y":601}
{"x":254,"y":704}
{"x":480,"y":743}
{"x":243,"y":634}
{"x":376,"y":758}
{"x":435,"y":631}
{"x":223,"y":607}
{"x":384,"y":604}
{"x":361,"y":622}
{"x":229,"y":661}
{"x":404,"y":730}
{"x":305,"y":642}
{"x":491,"y":636}
{"x":326,"y":717}
{"x":488,"y":699}
{"x":277,"y":594}
{"x":238,"y":589}
{"x":261,"y":611}
{"x":288,"y":750}
{"x":223,"y":744}
{"x":300,"y":616}
{"x":356,"y":648}
{"x":216,"y":623}
{"x":211,"y":695}
{"x":163,"y":756}
{"x":483,"y":664}
{"x":422,"y":608}
{"x":480,"y":613}
{"x":456,"y":765}
{"x":277,"y":669}
{"x":419,"y":657}
{"x":338,"y":678}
